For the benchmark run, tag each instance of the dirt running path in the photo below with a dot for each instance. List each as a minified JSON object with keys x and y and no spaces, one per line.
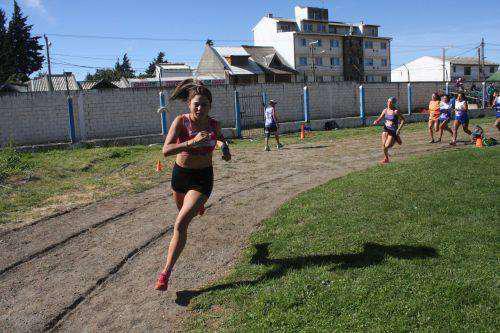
{"x":94,"y":268}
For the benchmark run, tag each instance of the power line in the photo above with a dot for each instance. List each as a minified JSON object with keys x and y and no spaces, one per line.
{"x":152,"y":39}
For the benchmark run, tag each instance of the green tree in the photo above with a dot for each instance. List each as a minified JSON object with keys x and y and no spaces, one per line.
{"x":24,"y":52}
{"x":4,"y":71}
{"x":109,"y":74}
{"x":150,"y":71}
{"x":125,"y":67}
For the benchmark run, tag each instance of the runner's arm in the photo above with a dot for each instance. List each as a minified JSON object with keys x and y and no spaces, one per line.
{"x":377,"y":121}
{"x":222,"y":143}
{"x":401,"y":123}
{"x":275,"y":117}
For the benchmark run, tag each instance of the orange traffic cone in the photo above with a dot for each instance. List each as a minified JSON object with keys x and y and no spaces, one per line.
{"x":159,"y":166}
{"x":479,"y":143}
{"x":302,"y":131}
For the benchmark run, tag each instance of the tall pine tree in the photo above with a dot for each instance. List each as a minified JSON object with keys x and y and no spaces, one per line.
{"x":4,"y":72}
{"x":160,"y":58}
{"x":24,"y":52}
{"x":126,"y":68}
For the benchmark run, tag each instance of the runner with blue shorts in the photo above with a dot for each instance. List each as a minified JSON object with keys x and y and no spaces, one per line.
{"x":461,"y":117}
{"x":444,"y":116}
{"x":496,"y":107}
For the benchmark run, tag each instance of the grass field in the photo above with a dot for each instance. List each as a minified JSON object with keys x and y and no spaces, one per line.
{"x":37,"y":184}
{"x":411,"y":246}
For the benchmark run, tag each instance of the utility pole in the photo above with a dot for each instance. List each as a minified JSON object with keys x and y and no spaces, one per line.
{"x":47,"y":46}
{"x":312,"y":45}
{"x":482,"y":60}
{"x":444,"y":64}
{"x":479,"y":63}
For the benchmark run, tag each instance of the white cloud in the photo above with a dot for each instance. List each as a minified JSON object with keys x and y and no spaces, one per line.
{"x":40,"y":7}
{"x":35,"y":4}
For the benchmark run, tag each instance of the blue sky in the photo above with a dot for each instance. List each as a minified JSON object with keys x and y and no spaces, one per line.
{"x":418,"y":27}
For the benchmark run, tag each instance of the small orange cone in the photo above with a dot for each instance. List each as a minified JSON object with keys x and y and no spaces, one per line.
{"x":159,"y":166}
{"x":302,"y":132}
{"x":479,"y":143}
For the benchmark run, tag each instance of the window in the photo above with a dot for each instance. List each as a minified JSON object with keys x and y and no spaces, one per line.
{"x":318,"y":61}
{"x":303,"y":41}
{"x":318,"y":28}
{"x":319,"y":78}
{"x":383,"y":45}
{"x":454,"y":69}
{"x":334,"y":61}
{"x":308,"y":27}
{"x":384,"y":78}
{"x":323,"y":28}
{"x":370,"y":78}
{"x":492,"y":70}
{"x":384,"y":62}
{"x":319,"y":43}
{"x":303,"y":61}
{"x":467,"y":70}
{"x":369,"y":62}
{"x":334,"y":43}
{"x":368,"y":45}
{"x":332,"y":29}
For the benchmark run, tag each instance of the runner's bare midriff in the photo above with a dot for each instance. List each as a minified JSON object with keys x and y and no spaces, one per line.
{"x":194,"y":161}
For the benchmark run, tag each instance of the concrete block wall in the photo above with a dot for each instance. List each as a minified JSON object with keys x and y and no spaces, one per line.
{"x":422,"y":93}
{"x":115,"y":113}
{"x":333,"y":100}
{"x":33,"y":118}
{"x":37,"y":118}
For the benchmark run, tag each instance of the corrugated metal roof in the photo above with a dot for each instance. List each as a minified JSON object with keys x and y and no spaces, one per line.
{"x":173,"y":66}
{"x":122,"y":83}
{"x":249,"y":69}
{"x":227,"y":51}
{"x":60,"y":82}
{"x":264,"y":55}
{"x":465,"y":60}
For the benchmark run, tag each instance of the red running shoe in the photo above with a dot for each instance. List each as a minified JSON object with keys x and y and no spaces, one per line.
{"x":162,"y":282}
{"x":384,"y":161}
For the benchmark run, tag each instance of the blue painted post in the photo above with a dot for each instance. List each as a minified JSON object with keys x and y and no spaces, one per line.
{"x":447,"y":89}
{"x":264,"y":98}
{"x":163,"y":103}
{"x":306,"y":104}
{"x":410,"y":97}
{"x":484,"y":95}
{"x":237,"y":114}
{"x":362,"y":104}
{"x":72,"y":132}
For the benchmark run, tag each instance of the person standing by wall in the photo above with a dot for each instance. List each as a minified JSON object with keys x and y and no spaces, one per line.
{"x":271,"y":125}
{"x":491,"y":90}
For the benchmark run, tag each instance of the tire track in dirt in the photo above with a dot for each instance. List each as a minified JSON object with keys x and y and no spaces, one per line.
{"x":101,"y":281}
{"x":65,"y":240}
{"x":12,"y":246}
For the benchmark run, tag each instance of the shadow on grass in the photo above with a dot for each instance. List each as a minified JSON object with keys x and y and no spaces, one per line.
{"x":373,"y":254}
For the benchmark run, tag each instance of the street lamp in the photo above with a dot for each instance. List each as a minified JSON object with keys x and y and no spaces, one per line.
{"x":312,"y":46}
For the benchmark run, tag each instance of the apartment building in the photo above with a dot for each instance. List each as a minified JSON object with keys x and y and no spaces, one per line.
{"x":430,"y":68}
{"x":323,"y":50}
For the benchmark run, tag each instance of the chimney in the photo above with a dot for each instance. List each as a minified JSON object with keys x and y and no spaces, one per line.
{"x":270,"y":15}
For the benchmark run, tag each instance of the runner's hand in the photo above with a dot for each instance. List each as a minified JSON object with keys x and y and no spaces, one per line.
{"x":200,"y":138}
